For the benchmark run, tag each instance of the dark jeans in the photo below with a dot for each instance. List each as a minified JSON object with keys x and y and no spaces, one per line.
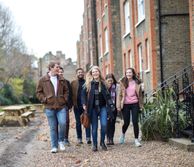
{"x":111,"y":127}
{"x":103,"y":122}
{"x":134,"y":109}
{"x":67,"y":126}
{"x":78,"y":111}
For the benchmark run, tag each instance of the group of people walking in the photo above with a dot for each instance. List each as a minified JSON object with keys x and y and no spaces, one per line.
{"x":102,"y":99}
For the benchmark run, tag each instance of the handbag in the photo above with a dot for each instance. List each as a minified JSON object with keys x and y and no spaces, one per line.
{"x":85,"y":121}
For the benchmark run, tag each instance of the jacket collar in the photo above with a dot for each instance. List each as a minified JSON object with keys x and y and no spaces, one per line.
{"x":47,"y":77}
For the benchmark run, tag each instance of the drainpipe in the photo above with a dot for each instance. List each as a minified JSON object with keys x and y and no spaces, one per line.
{"x":95,"y":30}
{"x":160,"y":42}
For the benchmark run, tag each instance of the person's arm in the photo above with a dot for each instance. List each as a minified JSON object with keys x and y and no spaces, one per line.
{"x":70,"y":103}
{"x":118,"y":98}
{"x":84,"y":98}
{"x":39,"y":92}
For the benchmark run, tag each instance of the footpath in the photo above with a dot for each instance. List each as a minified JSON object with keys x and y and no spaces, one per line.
{"x":30,"y":147}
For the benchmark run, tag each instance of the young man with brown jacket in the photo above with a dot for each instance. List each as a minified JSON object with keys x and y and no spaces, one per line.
{"x":52,"y":91}
{"x":77,"y":87}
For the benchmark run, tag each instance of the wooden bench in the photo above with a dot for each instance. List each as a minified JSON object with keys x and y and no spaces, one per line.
{"x":26,"y":116}
{"x":12,"y":114}
{"x":33,"y":112}
{"x":2,"y":113}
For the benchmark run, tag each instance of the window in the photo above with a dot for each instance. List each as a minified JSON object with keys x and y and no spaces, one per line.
{"x":127,"y":17}
{"x":100,"y":49}
{"x":141,"y":10}
{"x":107,"y":69}
{"x":106,"y":39}
{"x":124,"y":61}
{"x":147,"y":55}
{"x":131,"y":62}
{"x":140,"y":61}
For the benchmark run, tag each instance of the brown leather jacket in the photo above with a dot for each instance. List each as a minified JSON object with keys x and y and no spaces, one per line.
{"x":75,"y":86}
{"x":121,"y":95}
{"x":46,"y":94}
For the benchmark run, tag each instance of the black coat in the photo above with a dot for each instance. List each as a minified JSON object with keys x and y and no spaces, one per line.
{"x":87,"y":99}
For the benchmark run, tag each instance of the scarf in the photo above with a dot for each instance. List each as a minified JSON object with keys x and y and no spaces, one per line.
{"x":113,"y":93}
{"x":96,"y":99}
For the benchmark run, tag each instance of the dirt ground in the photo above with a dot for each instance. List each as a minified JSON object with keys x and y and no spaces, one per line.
{"x":30,"y":147}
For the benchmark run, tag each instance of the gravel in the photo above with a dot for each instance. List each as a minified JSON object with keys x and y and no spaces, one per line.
{"x":36,"y":153}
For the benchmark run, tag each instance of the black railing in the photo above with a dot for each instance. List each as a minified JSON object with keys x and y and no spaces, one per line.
{"x":182,"y":84}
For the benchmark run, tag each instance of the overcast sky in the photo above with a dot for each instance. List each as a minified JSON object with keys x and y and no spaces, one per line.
{"x":48,"y":25}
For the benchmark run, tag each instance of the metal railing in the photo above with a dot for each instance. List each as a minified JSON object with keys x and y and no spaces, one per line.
{"x":182,"y":83}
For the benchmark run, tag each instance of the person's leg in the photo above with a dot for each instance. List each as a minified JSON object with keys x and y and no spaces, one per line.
{"x":61,"y":117}
{"x":103,"y":122}
{"x":88,"y":135}
{"x":126,"y":118}
{"x":77,"y":113}
{"x":52,"y":120}
{"x":112,"y":132}
{"x":108,"y":134}
{"x":135,"y":118}
{"x":67,"y":128}
{"x":94,"y":123}
{"x":135,"y":113}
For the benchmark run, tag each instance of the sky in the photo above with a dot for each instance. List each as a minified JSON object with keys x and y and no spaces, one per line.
{"x":48,"y":25}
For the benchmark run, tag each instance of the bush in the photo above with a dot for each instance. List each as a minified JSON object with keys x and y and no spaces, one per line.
{"x":29,"y":90}
{"x":159,"y":117}
{"x":8,"y":94}
{"x":4,"y":101}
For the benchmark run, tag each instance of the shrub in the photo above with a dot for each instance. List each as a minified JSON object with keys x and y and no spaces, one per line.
{"x":159,"y":117}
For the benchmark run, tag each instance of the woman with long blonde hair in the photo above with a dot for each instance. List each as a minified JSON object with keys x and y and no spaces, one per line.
{"x":97,"y":102}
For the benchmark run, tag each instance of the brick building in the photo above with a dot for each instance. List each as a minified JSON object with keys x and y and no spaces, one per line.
{"x":191,"y":13}
{"x":109,"y":36}
{"x":155,"y":38}
{"x":87,"y":44}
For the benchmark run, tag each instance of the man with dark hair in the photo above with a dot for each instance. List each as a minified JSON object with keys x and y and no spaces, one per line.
{"x":77,"y":86}
{"x":69,"y":104}
{"x":52,"y":91}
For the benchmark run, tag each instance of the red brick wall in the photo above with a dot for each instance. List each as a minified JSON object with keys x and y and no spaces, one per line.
{"x":191,"y":13}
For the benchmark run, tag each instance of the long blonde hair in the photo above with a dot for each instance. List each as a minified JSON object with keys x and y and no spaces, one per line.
{"x":89,"y":78}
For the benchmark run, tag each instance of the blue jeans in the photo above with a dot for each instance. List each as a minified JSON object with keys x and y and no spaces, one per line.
{"x":78,"y":111}
{"x":57,"y":123}
{"x":103,"y":122}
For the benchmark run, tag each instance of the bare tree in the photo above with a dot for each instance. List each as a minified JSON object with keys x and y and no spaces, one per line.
{"x":14,"y":62}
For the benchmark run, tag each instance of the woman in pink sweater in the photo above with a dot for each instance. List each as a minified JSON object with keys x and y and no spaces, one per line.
{"x":129,"y":102}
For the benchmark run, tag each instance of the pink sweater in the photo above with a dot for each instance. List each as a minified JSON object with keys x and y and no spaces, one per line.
{"x":130,"y":93}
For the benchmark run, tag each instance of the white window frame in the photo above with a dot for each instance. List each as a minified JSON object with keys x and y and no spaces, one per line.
{"x":127,"y":17}
{"x":141,"y":10}
{"x":131,"y":60}
{"x":106,"y":41}
{"x":140,"y":55}
{"x":147,"y":45}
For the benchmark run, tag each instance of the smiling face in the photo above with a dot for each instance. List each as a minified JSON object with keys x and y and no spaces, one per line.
{"x":80,"y":74}
{"x":129,"y":74}
{"x":60,"y":72}
{"x":109,"y":82}
{"x":55,"y":69}
{"x":95,"y":73}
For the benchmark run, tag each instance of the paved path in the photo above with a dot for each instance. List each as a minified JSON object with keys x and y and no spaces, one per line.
{"x":29,"y":147}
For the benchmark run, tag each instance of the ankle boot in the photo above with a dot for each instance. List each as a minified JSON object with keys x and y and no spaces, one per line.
{"x":103,"y":146}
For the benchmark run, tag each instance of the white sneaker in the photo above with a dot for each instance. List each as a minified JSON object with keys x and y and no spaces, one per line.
{"x":61,"y":146}
{"x":137,"y":143}
{"x":54,"y":150}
